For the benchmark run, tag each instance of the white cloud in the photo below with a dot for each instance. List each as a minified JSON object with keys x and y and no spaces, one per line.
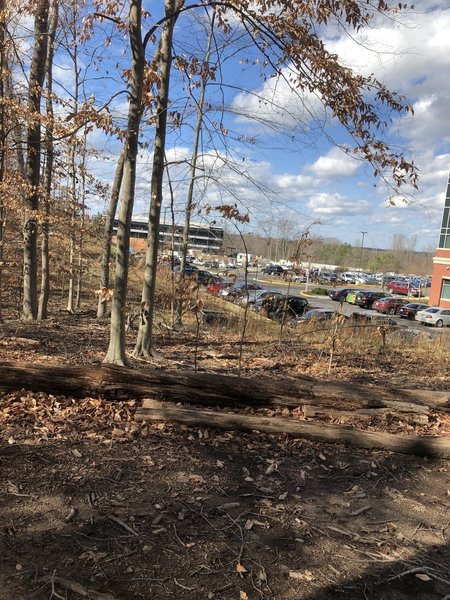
{"x":324,"y":204}
{"x":278,"y":105}
{"x":334,"y":164}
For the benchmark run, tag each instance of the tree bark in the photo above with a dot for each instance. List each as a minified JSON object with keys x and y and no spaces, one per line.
{"x":82,"y":222}
{"x":364,"y":414}
{"x":212,"y":389}
{"x":3,"y":137}
{"x":144,"y":342}
{"x":36,"y":81}
{"x":194,"y":158}
{"x":73,"y":163}
{"x":48,"y":173}
{"x":116,"y":350}
{"x":107,"y":234}
{"x":436,"y":447}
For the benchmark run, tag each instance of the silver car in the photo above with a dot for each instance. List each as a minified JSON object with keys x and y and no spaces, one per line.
{"x":439,"y":317}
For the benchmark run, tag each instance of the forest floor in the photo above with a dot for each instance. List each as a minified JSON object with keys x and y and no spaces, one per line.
{"x":96,"y":505}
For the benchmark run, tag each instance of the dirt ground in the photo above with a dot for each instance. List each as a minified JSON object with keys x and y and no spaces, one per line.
{"x":95,"y":505}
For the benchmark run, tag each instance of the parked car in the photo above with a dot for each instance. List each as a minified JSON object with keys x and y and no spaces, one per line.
{"x":389,"y":305}
{"x":347,"y":277}
{"x":439,"y":317}
{"x":366,"y":298}
{"x":330,"y":277}
{"x":403,"y":288}
{"x":299,"y":278}
{"x":284,"y":307}
{"x":360,"y":278}
{"x":339,"y":294}
{"x":371,"y":280}
{"x":211,"y":264}
{"x":238,"y":289}
{"x":373,"y":319}
{"x":255,"y":296}
{"x":261,"y":298}
{"x":409,"y":311}
{"x":351,"y":296}
{"x":215,"y":287}
{"x":188,"y":270}
{"x":316,"y":314}
{"x":273,"y":270}
{"x":203,"y":277}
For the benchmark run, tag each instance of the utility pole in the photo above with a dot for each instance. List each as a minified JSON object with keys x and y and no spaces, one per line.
{"x":363,"y":234}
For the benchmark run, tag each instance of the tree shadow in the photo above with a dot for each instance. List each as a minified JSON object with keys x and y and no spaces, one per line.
{"x":196,"y":513}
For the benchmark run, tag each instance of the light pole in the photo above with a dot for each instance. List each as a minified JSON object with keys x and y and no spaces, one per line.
{"x":363,"y":234}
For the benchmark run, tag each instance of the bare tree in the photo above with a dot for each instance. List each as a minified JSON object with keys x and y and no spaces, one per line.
{"x":33,"y":166}
{"x":144,"y":343}
{"x":116,"y":349}
{"x":107,"y":237}
{"x":292,"y":49}
{"x":206,"y":72}
{"x":49,"y":162}
{"x":3,"y":136}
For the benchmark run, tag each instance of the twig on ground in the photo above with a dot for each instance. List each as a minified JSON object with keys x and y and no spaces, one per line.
{"x":54,"y":594}
{"x":425,"y":570}
{"x":177,"y":537}
{"x":184,"y":587}
{"x":123,"y":524}
{"x":70,"y":515}
{"x":78,"y":588}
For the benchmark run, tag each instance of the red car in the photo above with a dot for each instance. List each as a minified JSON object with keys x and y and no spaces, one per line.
{"x":215,"y":287}
{"x":389,"y":305}
{"x":402,"y":287}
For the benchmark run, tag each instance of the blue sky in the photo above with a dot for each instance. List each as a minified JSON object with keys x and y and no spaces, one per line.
{"x":282,"y":167}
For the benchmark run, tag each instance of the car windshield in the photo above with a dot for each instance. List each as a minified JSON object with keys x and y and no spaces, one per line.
{"x":432,"y":310}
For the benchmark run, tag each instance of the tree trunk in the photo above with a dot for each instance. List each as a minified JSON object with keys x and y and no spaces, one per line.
{"x":72,"y":241}
{"x":36,"y":81}
{"x":212,"y":389}
{"x":48,"y":174}
{"x":116,"y":349}
{"x":79,"y":283}
{"x":3,"y":138}
{"x":73,"y":165}
{"x":194,"y":157}
{"x":144,"y":343}
{"x":107,"y":235}
{"x":435,"y":447}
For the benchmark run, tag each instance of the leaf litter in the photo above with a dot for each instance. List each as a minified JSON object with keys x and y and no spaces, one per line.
{"x":96,"y":505}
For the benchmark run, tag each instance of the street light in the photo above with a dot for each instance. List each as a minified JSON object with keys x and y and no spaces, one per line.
{"x":363,"y":234}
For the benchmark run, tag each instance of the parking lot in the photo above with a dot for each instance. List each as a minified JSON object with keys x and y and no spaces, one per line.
{"x":319,"y":301}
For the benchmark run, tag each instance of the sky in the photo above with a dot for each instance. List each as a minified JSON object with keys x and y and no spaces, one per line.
{"x":280,"y":161}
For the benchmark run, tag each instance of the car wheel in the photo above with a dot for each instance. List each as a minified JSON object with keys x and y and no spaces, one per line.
{"x":391,"y":311}
{"x":440,"y":323}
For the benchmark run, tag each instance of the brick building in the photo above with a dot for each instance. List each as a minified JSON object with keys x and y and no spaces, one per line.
{"x":440,"y":287}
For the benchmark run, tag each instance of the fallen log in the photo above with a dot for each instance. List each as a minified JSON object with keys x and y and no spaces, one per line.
{"x":435,"y":447}
{"x":363,"y":414}
{"x":209,"y":389}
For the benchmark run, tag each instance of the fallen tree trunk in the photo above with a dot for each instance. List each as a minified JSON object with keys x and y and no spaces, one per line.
{"x":436,"y":447}
{"x":363,"y":414}
{"x":209,"y":389}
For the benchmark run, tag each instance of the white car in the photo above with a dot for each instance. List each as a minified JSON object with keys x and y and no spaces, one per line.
{"x":347,"y":277}
{"x":439,"y":317}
